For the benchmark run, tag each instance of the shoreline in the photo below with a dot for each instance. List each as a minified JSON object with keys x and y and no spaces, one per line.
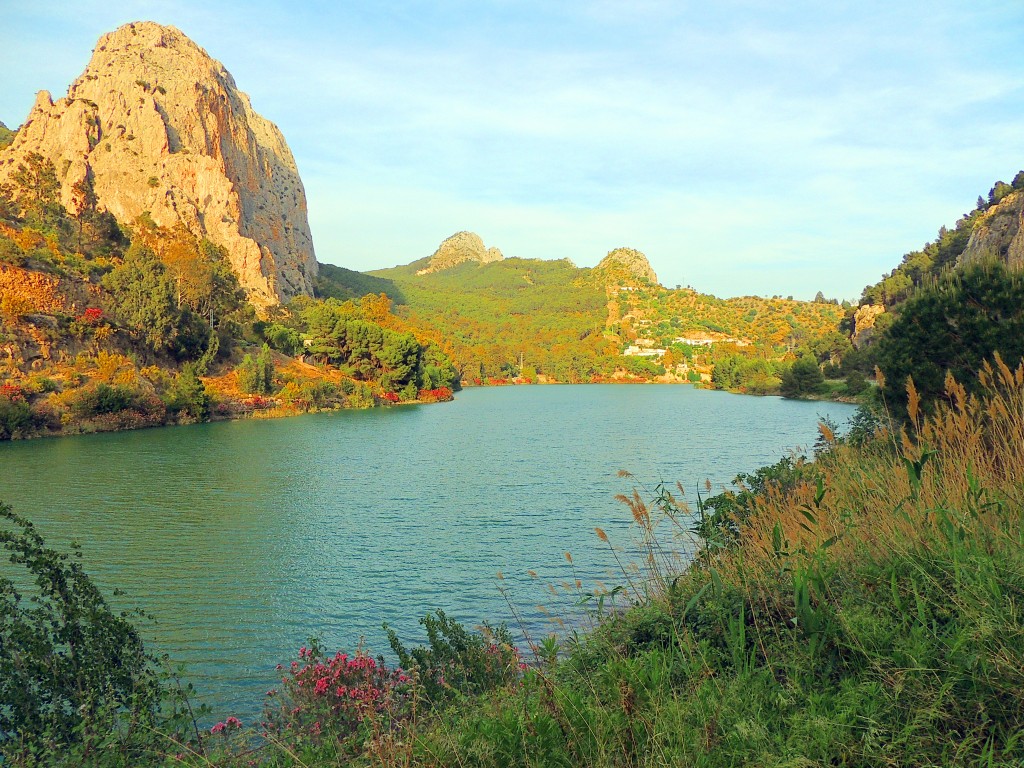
{"x":285,"y":412}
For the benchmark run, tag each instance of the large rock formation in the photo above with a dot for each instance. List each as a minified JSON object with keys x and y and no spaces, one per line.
{"x":864,"y":323}
{"x":156,"y":125}
{"x":626,"y":265}
{"x":459,"y":248}
{"x":998,"y":233}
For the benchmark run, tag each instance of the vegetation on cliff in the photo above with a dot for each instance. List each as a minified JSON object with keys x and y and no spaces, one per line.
{"x":109,"y":328}
{"x":922,"y":267}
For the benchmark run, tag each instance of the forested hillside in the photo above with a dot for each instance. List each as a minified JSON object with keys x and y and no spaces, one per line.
{"x":570,"y":324}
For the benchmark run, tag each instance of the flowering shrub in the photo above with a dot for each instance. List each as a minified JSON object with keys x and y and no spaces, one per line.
{"x":12,"y":392}
{"x":344,"y":698}
{"x":441,"y":394}
{"x":232,"y":723}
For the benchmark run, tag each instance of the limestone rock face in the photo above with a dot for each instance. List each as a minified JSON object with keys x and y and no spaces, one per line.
{"x":627,"y":264}
{"x":159,"y":126}
{"x":999,"y":233}
{"x":459,"y":248}
{"x":864,"y":323}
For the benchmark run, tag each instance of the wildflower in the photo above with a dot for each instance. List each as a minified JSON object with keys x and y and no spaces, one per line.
{"x":218,"y":728}
{"x":234,"y":722}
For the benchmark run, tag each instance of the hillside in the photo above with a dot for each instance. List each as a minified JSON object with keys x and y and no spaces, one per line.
{"x":150,"y":223}
{"x":991,"y":230}
{"x":572,"y":324}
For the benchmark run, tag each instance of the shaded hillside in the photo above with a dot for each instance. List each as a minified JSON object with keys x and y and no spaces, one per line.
{"x":333,"y":282}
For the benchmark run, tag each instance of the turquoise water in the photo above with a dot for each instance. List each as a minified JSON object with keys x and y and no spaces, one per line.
{"x":245,"y":538}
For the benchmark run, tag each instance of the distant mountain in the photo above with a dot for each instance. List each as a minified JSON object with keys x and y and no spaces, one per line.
{"x":626,"y":265}
{"x":6,"y":135}
{"x":458,"y":249}
{"x":155,"y":127}
{"x":550,"y":318}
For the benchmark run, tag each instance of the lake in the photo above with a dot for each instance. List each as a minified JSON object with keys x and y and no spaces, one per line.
{"x":245,"y":538}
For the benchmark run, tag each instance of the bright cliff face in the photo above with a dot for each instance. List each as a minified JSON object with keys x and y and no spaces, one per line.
{"x":156,"y":126}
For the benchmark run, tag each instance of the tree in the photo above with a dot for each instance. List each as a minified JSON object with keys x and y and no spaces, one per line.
{"x":143,"y":298}
{"x":953,"y":326}
{"x":66,"y":659}
{"x":187,"y":397}
{"x":803,"y":378}
{"x":256,"y":376}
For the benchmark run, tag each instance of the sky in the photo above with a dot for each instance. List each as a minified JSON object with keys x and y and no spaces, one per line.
{"x":745,"y":146}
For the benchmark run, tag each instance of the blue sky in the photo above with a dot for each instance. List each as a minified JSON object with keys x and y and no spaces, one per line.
{"x":746,"y":147}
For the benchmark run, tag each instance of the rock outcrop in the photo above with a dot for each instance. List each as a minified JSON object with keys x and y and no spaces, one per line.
{"x":864,"y":323}
{"x":156,"y":125}
{"x":626,"y":265}
{"x":998,"y":233}
{"x":459,"y":248}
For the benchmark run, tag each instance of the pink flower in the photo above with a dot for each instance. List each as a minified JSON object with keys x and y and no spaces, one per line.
{"x":234,"y":722}
{"x":217,"y":728}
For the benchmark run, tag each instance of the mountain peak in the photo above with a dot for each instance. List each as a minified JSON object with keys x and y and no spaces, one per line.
{"x":158,"y":126}
{"x":459,"y":248}
{"x":627,"y":264}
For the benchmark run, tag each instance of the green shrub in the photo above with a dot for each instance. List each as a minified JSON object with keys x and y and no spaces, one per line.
{"x":75,"y":680}
{"x":457,"y":661}
{"x":256,"y":377}
{"x":101,"y":399}
{"x":16,"y":419}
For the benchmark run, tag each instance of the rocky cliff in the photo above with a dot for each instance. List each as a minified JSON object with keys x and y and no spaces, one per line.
{"x":626,"y":265}
{"x":156,"y":125}
{"x":998,"y":233}
{"x":459,"y":248}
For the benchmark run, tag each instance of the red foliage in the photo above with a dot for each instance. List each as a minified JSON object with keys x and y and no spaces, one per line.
{"x":91,"y":316}
{"x":441,"y":394}
{"x":390,"y":397}
{"x":258,"y":403}
{"x":12,"y":392}
{"x":333,"y":695}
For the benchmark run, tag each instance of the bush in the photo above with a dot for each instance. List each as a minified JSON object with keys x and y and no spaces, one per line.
{"x":101,"y":399}
{"x":342,"y":699}
{"x":74,"y":676}
{"x":16,"y":418}
{"x":458,"y":661}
